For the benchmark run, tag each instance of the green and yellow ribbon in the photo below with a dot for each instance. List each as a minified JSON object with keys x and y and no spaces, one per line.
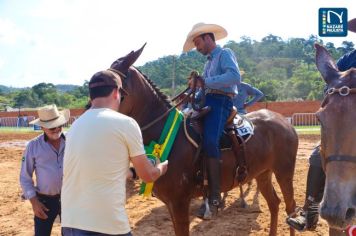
{"x":162,"y":148}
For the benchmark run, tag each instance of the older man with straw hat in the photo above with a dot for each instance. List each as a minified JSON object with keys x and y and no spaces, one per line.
{"x":309,"y":216}
{"x":44,"y":156}
{"x":221,"y":77}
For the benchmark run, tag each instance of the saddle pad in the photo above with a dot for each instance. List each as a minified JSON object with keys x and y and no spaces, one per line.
{"x":244,"y":129}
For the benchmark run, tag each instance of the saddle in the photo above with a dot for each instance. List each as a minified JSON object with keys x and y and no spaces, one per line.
{"x":238,"y":130}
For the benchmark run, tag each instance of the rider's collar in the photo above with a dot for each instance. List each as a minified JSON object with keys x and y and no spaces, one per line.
{"x":214,"y":52}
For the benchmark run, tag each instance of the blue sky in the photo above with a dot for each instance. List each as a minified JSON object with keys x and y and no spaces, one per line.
{"x":67,"y":41}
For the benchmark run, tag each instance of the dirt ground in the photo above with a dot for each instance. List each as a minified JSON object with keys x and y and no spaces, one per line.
{"x":150,"y":216}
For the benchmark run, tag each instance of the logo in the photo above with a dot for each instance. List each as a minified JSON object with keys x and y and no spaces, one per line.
{"x":332,"y":22}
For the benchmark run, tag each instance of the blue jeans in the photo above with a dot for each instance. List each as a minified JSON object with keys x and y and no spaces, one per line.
{"x":79,"y":232}
{"x":44,"y":227}
{"x":214,"y":123}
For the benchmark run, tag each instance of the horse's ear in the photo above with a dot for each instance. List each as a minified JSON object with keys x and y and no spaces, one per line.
{"x":325,"y":64}
{"x":123,"y":64}
{"x":130,"y":58}
{"x":136,"y":54}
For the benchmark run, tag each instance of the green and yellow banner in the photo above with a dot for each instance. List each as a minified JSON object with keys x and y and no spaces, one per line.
{"x":162,"y":148}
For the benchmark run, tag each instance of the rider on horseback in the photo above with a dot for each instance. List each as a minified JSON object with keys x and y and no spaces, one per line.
{"x":221,"y":77}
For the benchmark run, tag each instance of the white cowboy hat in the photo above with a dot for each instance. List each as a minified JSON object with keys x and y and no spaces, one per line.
{"x":49,"y":117}
{"x":351,"y":25}
{"x":201,"y":28}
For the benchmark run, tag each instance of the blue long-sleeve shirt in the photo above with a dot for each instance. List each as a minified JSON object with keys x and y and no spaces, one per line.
{"x":244,"y":92}
{"x":347,"y":61}
{"x":221,"y":71}
{"x":47,"y":163}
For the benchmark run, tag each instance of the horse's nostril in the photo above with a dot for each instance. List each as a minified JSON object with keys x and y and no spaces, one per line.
{"x":350,"y":213}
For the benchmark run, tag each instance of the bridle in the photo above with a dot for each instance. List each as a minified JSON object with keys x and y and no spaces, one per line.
{"x":342,"y":91}
{"x":122,"y":75}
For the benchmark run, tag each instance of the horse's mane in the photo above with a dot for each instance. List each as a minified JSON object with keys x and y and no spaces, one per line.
{"x":156,"y":90}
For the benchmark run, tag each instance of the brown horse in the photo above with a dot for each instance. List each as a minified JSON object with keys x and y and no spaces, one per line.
{"x":272,"y":149}
{"x":337,"y":116}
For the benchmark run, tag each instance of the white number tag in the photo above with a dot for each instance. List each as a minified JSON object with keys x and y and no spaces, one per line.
{"x":244,"y":130}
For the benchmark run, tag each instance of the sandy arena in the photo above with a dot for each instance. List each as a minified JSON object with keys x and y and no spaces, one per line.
{"x":150,"y":216}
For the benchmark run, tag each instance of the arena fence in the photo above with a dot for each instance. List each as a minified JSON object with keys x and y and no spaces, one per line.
{"x":304,"y":119}
{"x":24,"y":121}
{"x":297,"y":119}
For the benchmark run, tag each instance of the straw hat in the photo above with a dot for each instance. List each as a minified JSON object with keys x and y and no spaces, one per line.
{"x":351,"y":25}
{"x":201,"y":28}
{"x":50,"y":117}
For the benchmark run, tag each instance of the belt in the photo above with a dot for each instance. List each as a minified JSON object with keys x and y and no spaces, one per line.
{"x":216,"y":91}
{"x":47,"y":195}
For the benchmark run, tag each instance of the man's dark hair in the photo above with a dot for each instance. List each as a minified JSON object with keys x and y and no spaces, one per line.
{"x":102,"y":91}
{"x":211,"y":35}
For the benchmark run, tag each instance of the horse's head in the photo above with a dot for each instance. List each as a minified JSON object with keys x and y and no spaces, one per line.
{"x":337,"y":116}
{"x":130,"y":79}
{"x":144,"y":99}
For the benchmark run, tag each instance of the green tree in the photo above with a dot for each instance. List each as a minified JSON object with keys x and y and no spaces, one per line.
{"x":25,"y":98}
{"x":46,"y":93}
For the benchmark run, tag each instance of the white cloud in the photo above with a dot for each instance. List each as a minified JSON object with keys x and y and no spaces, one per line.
{"x":50,"y":9}
{"x":9,"y":34}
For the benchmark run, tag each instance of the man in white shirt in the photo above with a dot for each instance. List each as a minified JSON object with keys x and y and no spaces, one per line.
{"x":100,"y":145}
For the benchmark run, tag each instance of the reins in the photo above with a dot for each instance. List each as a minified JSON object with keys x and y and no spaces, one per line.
{"x":122,"y":75}
{"x":193,"y":75}
{"x":166,"y":113}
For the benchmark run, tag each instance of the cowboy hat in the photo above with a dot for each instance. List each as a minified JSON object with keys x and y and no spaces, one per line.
{"x":49,"y":117}
{"x":202,"y":28}
{"x":351,"y":25}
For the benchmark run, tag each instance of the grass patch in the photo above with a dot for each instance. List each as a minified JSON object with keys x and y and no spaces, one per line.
{"x":17,"y":130}
{"x":299,"y":129}
{"x":308,"y":129}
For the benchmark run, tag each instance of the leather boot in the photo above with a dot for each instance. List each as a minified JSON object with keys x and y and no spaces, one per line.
{"x":214,"y":202}
{"x":214,"y":184}
{"x":308,"y":218}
